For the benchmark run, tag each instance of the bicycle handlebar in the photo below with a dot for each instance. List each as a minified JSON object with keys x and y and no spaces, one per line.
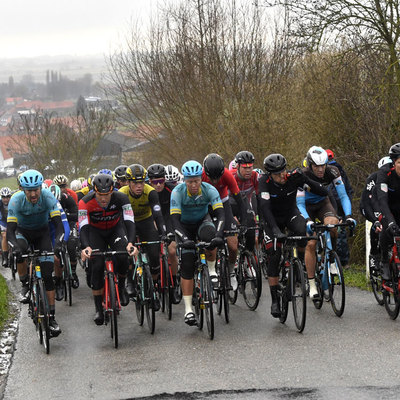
{"x":38,"y":253}
{"x":98,"y":252}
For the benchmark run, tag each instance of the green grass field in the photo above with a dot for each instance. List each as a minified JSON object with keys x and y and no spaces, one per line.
{"x":10,"y":182}
{"x":4,"y":302}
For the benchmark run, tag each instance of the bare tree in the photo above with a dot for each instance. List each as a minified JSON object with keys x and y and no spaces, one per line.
{"x":207,"y":75}
{"x":63,"y":145}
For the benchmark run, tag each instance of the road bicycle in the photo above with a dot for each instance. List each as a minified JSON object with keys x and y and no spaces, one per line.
{"x":292,"y":282}
{"x":248,"y":274}
{"x":38,"y":306}
{"x":329,"y":272}
{"x":67,"y":275}
{"x":224,"y":281}
{"x":391,"y":287}
{"x":146,"y":293}
{"x":111,"y":300}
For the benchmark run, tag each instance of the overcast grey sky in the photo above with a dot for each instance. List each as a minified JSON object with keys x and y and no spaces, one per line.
{"x":77,"y":27}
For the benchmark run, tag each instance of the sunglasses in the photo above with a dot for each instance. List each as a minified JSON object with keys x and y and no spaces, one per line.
{"x":5,"y":197}
{"x":157,"y":181}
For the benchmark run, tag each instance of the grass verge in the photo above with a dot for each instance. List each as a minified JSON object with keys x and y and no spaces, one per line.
{"x":4,"y":300}
{"x":355,"y":277}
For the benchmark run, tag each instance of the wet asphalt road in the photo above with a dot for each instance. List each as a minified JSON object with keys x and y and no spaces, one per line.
{"x":252,"y":357}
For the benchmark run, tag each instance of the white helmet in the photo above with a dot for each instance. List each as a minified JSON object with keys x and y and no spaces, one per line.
{"x":76,"y":185}
{"x":317,"y":155}
{"x":5,"y":191}
{"x":172,"y":174}
{"x":383,"y":161}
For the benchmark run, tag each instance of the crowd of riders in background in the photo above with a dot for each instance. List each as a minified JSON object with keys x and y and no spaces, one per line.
{"x":208,"y":202}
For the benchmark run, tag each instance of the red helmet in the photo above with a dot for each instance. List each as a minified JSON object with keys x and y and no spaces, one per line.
{"x":331,"y":156}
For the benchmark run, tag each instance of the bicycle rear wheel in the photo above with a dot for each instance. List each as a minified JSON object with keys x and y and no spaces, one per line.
{"x":375,"y":278}
{"x":44,"y":314}
{"x":113,"y":309}
{"x":336,"y":286}
{"x":207,"y":301}
{"x":251,"y":280}
{"x":149,"y":293}
{"x":391,"y":298}
{"x":299,"y":294}
{"x":67,"y":279}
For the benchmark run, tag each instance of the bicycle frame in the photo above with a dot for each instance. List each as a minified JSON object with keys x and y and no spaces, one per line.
{"x":394,"y":259}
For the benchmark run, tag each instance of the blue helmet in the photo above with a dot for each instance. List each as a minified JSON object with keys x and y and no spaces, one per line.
{"x":105,"y":171}
{"x":191,"y":169}
{"x":31,"y":179}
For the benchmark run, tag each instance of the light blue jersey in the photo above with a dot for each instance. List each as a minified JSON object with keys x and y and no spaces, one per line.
{"x":194,"y":208}
{"x":32,"y":216}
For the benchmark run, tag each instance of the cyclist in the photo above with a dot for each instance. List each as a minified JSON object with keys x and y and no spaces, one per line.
{"x":147,"y":210}
{"x":76,"y":185}
{"x":119,"y":174}
{"x":85,"y":189}
{"x":189,"y":214}
{"x":5,"y":193}
{"x":70,"y":209}
{"x":279,"y":211}
{"x":106,"y":220}
{"x":62,"y":182}
{"x":27,"y":224}
{"x":216,"y":174}
{"x":388,"y":194}
{"x":156,"y":174}
{"x":369,"y":207}
{"x":314,"y":206}
{"x":247,"y":181}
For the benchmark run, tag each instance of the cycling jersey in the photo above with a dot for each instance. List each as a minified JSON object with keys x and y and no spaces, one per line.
{"x":225,"y":183}
{"x":369,"y":205}
{"x":32,"y":216}
{"x":82,"y":192}
{"x":90,"y":213}
{"x":388,"y":193}
{"x":70,"y":207}
{"x":332,"y":175}
{"x":142,"y":205}
{"x":194,"y":208}
{"x":72,"y":194}
{"x":248,"y":186}
{"x":164,"y":198}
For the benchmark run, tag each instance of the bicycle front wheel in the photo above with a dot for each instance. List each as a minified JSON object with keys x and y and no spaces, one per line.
{"x":336,"y":285}
{"x":149,"y":293}
{"x":67,"y":279}
{"x":298,"y":294}
{"x":375,"y":278}
{"x":207,"y":301}
{"x":113,"y":309}
{"x":391,"y":297}
{"x":44,"y":314}
{"x":251,"y":280}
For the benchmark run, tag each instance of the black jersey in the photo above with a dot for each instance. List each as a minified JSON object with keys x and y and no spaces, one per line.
{"x":388,"y":192}
{"x":278,"y":202}
{"x":369,"y":205}
{"x":164,"y":198}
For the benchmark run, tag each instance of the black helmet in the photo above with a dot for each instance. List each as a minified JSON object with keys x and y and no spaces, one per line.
{"x":394,"y":151}
{"x":120,"y":172}
{"x":103,"y":183}
{"x":244,"y":157}
{"x":136,"y":172}
{"x":275,"y":163}
{"x":156,"y":171}
{"x":214,"y":166}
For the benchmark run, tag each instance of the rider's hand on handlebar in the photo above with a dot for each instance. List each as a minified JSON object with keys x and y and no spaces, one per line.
{"x":377,"y":226}
{"x":86,"y":253}
{"x":351,"y":221}
{"x":393,"y":228}
{"x":310,"y":227}
{"x":217,"y":242}
{"x":132,"y":250}
{"x":188,"y":244}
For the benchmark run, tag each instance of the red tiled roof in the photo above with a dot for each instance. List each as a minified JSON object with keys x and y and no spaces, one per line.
{"x":45,"y":105}
{"x":11,"y":145}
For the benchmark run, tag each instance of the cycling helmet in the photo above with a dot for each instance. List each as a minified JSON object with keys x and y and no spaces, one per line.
{"x":90,"y":181}
{"x":383,"y":161}
{"x":44,"y":185}
{"x":331,"y":155}
{"x":244,"y":157}
{"x":316,"y":155}
{"x":18,"y":178}
{"x":214,"y":166}
{"x":172,"y":174}
{"x":81,"y":179}
{"x":275,"y":163}
{"x":259,"y":171}
{"x":60,"y":180}
{"x":31,"y":179}
{"x":48,"y":182}
{"x":76,"y":185}
{"x":136,"y":172}
{"x":232,"y":165}
{"x":55,"y":189}
{"x":191,"y":169}
{"x":105,"y":171}
{"x":120,"y":172}
{"x":156,"y":171}
{"x":394,"y":151}
{"x":84,"y":184}
{"x":5,"y":191}
{"x":103,"y":183}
